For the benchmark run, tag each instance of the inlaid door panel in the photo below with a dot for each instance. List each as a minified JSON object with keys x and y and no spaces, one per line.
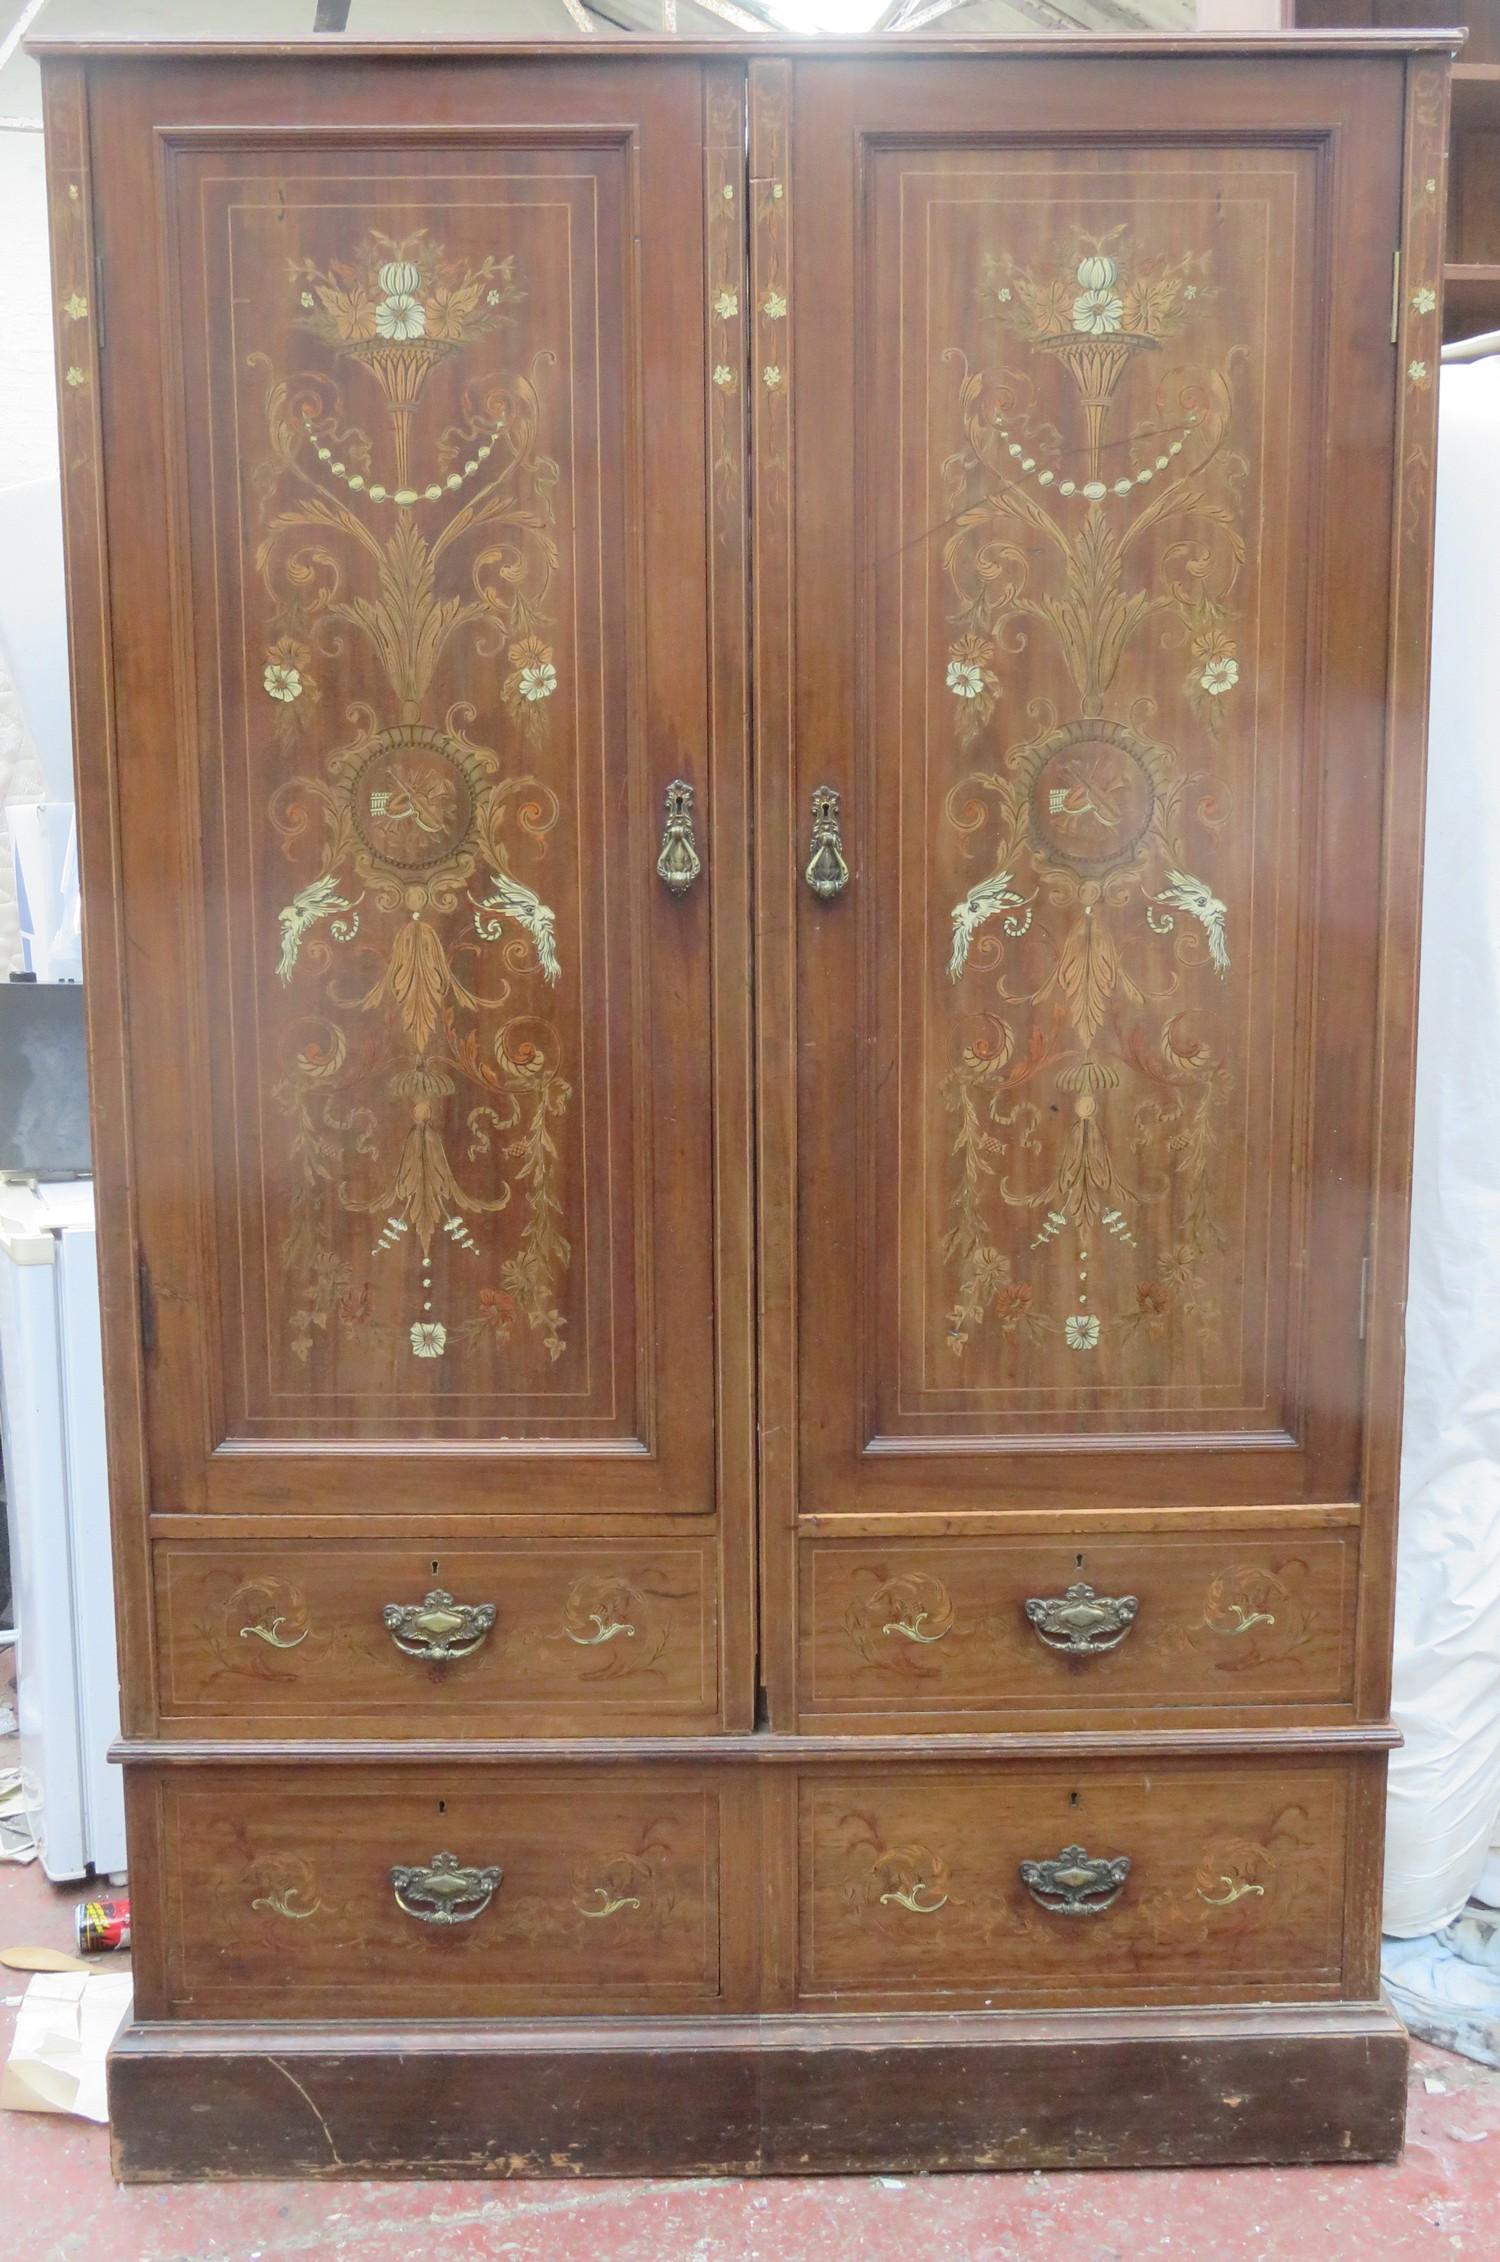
{"x":434,"y":1082}
{"x":1088,"y":611}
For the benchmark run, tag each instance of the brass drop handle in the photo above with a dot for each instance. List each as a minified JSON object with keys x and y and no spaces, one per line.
{"x":1074,"y":1883}
{"x":438,"y":1628}
{"x":1082,"y":1623}
{"x":679,"y":863}
{"x":444,"y":1890}
{"x":827,"y":873}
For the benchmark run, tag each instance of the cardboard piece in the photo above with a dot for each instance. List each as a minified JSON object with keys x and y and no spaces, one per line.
{"x":64,"y":2028}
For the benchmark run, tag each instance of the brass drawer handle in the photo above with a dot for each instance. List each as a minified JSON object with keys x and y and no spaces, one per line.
{"x":1076,"y":1883}
{"x":1080,"y":1622}
{"x":445,"y":1891}
{"x":827,"y":873}
{"x":679,"y":862}
{"x":437,"y":1627}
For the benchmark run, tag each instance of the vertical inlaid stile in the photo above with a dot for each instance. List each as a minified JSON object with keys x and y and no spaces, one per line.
{"x":77,"y":319}
{"x":1419,"y":333}
{"x":726,"y":555}
{"x":776,"y":865}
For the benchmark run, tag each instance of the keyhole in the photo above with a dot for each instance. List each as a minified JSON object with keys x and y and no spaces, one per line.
{"x":1078,"y":1560}
{"x":442,"y":1806}
{"x":1072,"y":1798}
{"x":436,"y":1566}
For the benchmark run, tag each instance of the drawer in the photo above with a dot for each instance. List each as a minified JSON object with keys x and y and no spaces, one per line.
{"x":316,"y":1892}
{"x":1184,"y":1883}
{"x":470,"y":1639}
{"x":988,"y":1628}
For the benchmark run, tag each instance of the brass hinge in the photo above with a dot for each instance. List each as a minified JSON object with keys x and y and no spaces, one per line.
{"x":98,"y":301}
{"x":1364,"y":1294}
{"x":1395,"y":294}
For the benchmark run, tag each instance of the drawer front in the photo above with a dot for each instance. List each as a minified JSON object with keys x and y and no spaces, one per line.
{"x":912,"y":1891}
{"x":514,"y":1891}
{"x":446,"y":1641}
{"x":1082,"y":1625}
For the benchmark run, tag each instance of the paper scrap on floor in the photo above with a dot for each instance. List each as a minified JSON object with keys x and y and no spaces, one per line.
{"x":65,"y":2025}
{"x":17,"y":1817}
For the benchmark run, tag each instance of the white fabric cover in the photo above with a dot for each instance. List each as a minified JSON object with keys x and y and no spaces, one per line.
{"x":1445,"y":1785}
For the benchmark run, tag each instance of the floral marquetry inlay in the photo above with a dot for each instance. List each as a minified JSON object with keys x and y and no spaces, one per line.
{"x":406,"y":508}
{"x":1091,"y":724}
{"x":1082,"y":530}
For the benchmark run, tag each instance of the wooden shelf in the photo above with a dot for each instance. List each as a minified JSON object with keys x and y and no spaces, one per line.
{"x":1471,"y":298}
{"x":1476,"y":98}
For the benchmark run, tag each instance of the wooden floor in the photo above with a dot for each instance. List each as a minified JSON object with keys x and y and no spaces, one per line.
{"x":1443,"y":2198}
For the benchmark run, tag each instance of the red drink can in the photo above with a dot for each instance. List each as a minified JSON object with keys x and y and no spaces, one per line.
{"x":102,"y":1924}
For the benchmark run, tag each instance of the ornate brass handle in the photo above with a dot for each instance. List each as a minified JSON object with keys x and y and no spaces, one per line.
{"x":1076,"y":1883}
{"x":679,"y":862}
{"x":445,"y":1891}
{"x":1080,"y":1622}
{"x":437,"y":1627}
{"x":827,"y":873}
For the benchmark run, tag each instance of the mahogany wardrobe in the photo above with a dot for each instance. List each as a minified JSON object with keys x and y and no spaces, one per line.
{"x":750,"y":737}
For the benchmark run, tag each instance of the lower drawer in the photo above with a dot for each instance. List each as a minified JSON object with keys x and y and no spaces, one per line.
{"x":1029,"y":1883}
{"x":977,"y":1632}
{"x":380,"y":1893}
{"x":516,"y":1636}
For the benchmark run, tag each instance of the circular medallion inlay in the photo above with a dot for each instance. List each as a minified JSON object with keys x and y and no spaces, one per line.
{"x":1091,"y":795}
{"x":412,"y":799}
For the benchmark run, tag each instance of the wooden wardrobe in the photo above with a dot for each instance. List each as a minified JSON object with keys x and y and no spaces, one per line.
{"x":750,"y":735}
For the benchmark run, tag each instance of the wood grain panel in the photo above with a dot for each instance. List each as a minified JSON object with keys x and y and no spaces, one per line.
{"x":1235,"y":1890}
{"x":279,"y":1901}
{"x":940,"y":1632}
{"x":293,"y":1638}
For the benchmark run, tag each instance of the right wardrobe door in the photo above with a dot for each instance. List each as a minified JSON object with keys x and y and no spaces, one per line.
{"x":1092,"y":447}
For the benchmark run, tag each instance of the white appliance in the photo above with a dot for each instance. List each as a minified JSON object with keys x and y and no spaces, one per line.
{"x":57,"y":1502}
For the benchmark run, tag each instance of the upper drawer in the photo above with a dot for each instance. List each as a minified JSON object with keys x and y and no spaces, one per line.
{"x":997,"y":1626}
{"x":454,"y":1893}
{"x":568,"y":1638}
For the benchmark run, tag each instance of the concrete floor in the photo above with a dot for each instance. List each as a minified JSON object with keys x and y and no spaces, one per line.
{"x":57,"y":2203}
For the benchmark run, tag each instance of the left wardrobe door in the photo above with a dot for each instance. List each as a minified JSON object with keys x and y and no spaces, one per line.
{"x":423,"y":799}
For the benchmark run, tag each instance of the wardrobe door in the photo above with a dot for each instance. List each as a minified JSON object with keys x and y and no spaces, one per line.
{"x":429,"y":771}
{"x":1086,"y":400}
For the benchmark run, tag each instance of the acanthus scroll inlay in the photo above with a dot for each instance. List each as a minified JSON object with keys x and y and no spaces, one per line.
{"x":1239,"y":1883}
{"x":1251,"y":1615}
{"x":265,"y":1629}
{"x":424,"y":1083}
{"x":889,"y":1880}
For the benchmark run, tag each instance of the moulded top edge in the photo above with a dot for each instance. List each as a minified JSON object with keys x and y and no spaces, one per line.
{"x":1149,"y":46}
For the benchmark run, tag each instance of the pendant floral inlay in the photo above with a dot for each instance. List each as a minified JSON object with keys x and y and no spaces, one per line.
{"x":424,"y":830}
{"x":1086,"y":817}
